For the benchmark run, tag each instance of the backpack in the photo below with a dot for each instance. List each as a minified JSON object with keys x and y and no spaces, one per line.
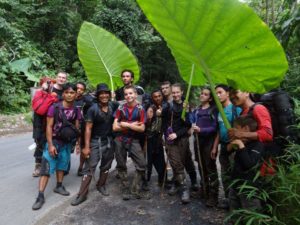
{"x":68,"y":133}
{"x":42,"y":101}
{"x":281,"y":108}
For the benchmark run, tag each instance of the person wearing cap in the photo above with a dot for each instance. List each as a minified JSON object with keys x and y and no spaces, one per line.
{"x":98,"y":142}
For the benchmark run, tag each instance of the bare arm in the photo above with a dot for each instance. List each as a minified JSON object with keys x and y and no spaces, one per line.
{"x":51,"y":148}
{"x":135,"y":126}
{"x":87,"y":139}
{"x":214,"y":150}
{"x":116,"y":125}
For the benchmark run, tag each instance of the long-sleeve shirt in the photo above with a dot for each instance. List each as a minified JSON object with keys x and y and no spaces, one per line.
{"x":179,"y":126}
{"x":262,"y":116}
{"x":206,"y":119}
{"x":246,"y":161}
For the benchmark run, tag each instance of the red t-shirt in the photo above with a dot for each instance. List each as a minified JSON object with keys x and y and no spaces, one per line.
{"x":130,"y":114}
{"x":262,"y":116}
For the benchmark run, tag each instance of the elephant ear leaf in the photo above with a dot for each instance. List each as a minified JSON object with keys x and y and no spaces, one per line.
{"x":104,"y":56}
{"x":225,"y":39}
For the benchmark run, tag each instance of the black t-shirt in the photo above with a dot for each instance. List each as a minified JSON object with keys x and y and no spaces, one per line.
{"x":102,"y":121}
{"x":58,"y":92}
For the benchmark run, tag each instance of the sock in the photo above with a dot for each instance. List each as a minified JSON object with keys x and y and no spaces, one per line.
{"x":58,"y":184}
{"x":41,"y":194}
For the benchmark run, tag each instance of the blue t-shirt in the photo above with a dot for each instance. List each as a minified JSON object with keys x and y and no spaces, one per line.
{"x":230,"y":116}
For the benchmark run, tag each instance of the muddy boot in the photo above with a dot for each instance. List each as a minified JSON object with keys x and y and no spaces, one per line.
{"x":83,"y":191}
{"x":101,"y":183}
{"x":194,"y":185}
{"x":37,"y":170}
{"x":212,"y":199}
{"x":145,"y":183}
{"x":124,"y":185}
{"x":174,"y":189}
{"x":136,"y":184}
{"x":184,"y":190}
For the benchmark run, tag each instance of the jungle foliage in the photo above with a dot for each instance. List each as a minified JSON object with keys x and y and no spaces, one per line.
{"x":45,"y":32}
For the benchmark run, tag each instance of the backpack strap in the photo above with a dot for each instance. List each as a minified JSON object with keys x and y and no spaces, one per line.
{"x":234,"y":114}
{"x":250,"y":112}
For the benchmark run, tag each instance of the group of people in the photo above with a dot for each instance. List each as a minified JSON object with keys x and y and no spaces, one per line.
{"x":151,"y":131}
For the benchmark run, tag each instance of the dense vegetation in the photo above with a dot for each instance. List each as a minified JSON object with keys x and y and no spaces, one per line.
{"x":45,"y":32}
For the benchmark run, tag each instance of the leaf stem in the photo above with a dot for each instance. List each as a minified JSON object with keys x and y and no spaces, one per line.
{"x":186,"y":100}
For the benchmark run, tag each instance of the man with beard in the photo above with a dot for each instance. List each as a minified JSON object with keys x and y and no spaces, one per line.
{"x":98,"y":143}
{"x":155,"y":151}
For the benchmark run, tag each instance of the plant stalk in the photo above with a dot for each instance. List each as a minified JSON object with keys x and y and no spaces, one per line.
{"x":186,"y":100}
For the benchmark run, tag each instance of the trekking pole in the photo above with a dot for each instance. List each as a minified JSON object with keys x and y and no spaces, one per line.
{"x":165,"y":174}
{"x":200,"y":164}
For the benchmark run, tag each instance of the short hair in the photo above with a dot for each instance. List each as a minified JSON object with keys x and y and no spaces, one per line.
{"x":156,"y":90}
{"x":82,"y":83}
{"x":246,"y":120}
{"x":165,"y":83}
{"x":67,"y":86}
{"x":130,"y":87}
{"x":177,"y":85}
{"x":223,"y":86}
{"x":63,"y":72}
{"x":129,"y":71}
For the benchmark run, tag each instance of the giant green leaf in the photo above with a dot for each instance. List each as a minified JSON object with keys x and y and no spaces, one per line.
{"x":23,"y":65}
{"x":225,"y":39}
{"x":104,"y":56}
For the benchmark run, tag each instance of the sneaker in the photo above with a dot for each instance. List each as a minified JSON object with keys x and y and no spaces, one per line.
{"x":37,"y":170}
{"x":78,"y":200}
{"x":38,"y":203}
{"x":61,"y":190}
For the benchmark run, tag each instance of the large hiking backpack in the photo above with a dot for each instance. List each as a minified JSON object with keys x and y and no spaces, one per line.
{"x":68,"y":133}
{"x":42,"y":101}
{"x":281,"y":108}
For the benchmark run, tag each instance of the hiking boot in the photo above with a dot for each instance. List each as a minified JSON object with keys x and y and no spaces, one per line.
{"x":125,"y":194}
{"x":185,"y":195}
{"x":136,"y":184}
{"x":173,"y":190}
{"x":79,"y":172}
{"x":101,"y":183}
{"x":38,"y":203}
{"x":61,"y":190}
{"x":212,"y":200}
{"x":37,"y":170}
{"x":78,"y":200}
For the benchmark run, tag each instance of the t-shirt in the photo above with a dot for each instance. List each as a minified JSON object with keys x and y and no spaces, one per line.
{"x":71,"y":115}
{"x":129,"y":114}
{"x":230,"y":115}
{"x":102,"y":121}
{"x":262,"y":116}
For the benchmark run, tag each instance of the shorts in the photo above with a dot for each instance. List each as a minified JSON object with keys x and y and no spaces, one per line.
{"x":60,"y":162}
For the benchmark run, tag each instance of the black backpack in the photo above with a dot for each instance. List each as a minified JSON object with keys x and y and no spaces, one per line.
{"x":281,"y":108}
{"x":68,"y":133}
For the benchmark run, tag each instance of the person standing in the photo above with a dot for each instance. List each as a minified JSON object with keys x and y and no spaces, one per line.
{"x":205,"y":123}
{"x":39,"y":121}
{"x":222,"y":138}
{"x":98,"y":143}
{"x":130,"y":121}
{"x":62,"y":126}
{"x":155,"y":150}
{"x":177,"y":143}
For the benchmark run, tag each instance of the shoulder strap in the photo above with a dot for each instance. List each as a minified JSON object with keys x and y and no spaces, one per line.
{"x":250,"y":112}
